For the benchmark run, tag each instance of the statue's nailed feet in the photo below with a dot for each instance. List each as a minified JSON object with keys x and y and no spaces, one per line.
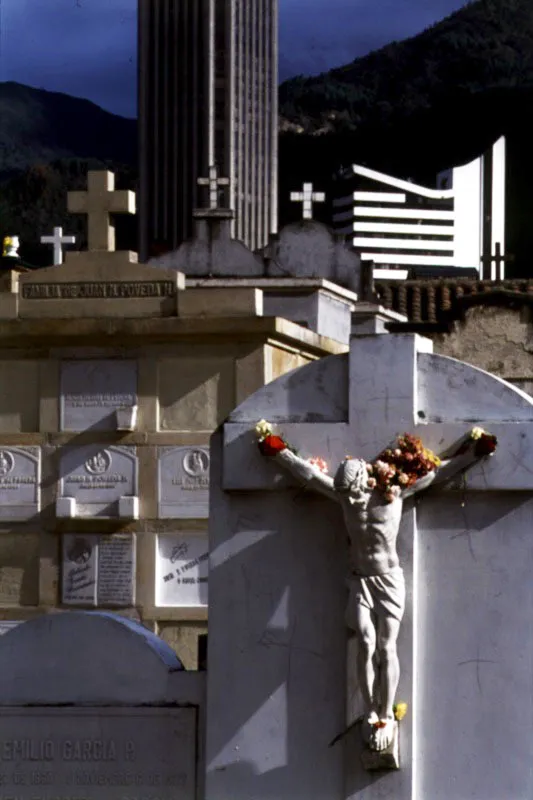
{"x":382,"y":734}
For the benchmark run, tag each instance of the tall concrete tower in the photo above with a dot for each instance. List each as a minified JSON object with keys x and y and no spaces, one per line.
{"x":207,"y":95}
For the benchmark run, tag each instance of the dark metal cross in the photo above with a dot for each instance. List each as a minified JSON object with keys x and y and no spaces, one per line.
{"x":499,"y":260}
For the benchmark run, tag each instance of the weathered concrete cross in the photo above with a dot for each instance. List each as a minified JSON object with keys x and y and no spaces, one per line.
{"x":98,"y":203}
{"x":391,"y":384}
{"x":307,"y":197}
{"x":58,"y":240}
{"x":214,"y":182}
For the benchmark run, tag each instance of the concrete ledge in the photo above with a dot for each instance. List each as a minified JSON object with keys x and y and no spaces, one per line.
{"x":221,"y":302}
{"x":94,"y":332}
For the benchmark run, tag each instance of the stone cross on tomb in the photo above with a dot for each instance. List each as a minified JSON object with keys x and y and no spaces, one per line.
{"x":215,"y":184}
{"x":98,"y":202}
{"x":461,"y":552}
{"x":307,"y":197}
{"x":496,"y":264}
{"x":58,"y":240}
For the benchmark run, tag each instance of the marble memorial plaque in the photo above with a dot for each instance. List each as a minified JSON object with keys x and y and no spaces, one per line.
{"x":97,"y":477}
{"x":183,"y":482}
{"x":98,"y":753}
{"x":116,"y":571}
{"x":93,"y":390}
{"x":20,"y":477}
{"x":98,"y":570}
{"x":79,"y":569}
{"x":182,"y":564}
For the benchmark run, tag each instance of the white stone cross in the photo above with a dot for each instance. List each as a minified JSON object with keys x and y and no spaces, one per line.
{"x":307,"y":197}
{"x":58,"y":240}
{"x":214,"y":182}
{"x":98,"y":203}
{"x":393,"y":383}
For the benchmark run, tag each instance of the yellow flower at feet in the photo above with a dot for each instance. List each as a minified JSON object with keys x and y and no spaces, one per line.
{"x":263,"y":429}
{"x":477,"y":433}
{"x":400,"y":710}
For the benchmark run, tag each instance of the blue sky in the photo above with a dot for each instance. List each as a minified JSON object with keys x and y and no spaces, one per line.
{"x":87,"y":47}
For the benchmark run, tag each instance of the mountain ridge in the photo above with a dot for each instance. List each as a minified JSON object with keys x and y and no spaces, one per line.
{"x":30,"y":132}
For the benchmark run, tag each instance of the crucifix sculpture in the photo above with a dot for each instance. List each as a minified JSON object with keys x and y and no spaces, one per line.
{"x":58,"y":240}
{"x":307,"y":197}
{"x":371,"y":496}
{"x":215,"y":183}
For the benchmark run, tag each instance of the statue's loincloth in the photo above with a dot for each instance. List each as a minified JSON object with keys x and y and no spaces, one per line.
{"x":382,"y":594}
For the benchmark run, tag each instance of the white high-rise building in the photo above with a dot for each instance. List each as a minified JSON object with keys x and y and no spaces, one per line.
{"x":207,"y":95}
{"x":400,"y":225}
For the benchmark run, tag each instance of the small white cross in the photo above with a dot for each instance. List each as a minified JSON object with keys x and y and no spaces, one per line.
{"x":213,"y":181}
{"x":307,"y":197}
{"x":58,"y":240}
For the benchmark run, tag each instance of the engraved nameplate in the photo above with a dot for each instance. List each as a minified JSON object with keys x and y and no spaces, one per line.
{"x":20,"y":476}
{"x":182,"y":564}
{"x":97,"y":477}
{"x":98,"y":570}
{"x":96,"y":290}
{"x":92,"y":391}
{"x":99,"y":753}
{"x":183,"y":482}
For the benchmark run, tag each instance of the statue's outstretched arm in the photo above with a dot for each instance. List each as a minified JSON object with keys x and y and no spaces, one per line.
{"x":309,"y":475}
{"x":468,"y":454}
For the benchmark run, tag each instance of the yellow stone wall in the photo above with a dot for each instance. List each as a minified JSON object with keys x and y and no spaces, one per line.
{"x":187,"y":385}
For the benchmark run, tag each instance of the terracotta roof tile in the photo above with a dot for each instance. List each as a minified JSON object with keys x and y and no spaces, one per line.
{"x":434,"y":301}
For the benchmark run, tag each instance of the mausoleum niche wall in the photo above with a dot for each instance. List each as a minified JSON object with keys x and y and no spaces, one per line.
{"x":19,"y":569}
{"x":19,"y":397}
{"x":195,"y":392}
{"x":98,"y":509}
{"x":282,"y":361}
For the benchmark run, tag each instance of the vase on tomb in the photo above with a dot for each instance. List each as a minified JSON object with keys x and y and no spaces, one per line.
{"x":10,"y":255}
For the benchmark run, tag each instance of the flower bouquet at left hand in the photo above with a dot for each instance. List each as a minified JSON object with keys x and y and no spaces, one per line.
{"x":270,"y":444}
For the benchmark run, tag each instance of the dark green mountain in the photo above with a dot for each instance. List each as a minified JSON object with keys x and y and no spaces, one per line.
{"x":484,"y":46}
{"x":37,"y":126}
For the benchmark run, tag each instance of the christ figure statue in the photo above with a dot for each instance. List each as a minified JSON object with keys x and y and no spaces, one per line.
{"x":376,"y":582}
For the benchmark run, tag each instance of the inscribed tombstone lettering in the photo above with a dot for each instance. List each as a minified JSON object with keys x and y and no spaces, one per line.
{"x":96,"y":706}
{"x":181,"y":570}
{"x":98,"y":753}
{"x":93,"y":390}
{"x":116,"y":571}
{"x":97,"y":477}
{"x":98,"y":570}
{"x":19,"y":482}
{"x":183,"y":482}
